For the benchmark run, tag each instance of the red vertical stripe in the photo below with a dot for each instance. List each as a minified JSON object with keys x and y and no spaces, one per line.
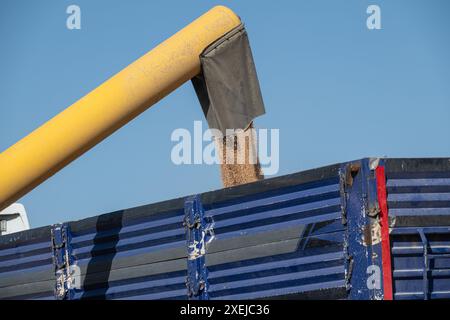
{"x":385,"y":243}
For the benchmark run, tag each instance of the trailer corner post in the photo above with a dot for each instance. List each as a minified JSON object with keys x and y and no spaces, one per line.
{"x":385,"y":241}
{"x":364,"y":267}
{"x":62,"y":262}
{"x":198,"y":235}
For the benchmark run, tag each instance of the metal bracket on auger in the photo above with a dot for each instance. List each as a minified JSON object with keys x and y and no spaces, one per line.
{"x":198,"y":234}
{"x":62,"y":262}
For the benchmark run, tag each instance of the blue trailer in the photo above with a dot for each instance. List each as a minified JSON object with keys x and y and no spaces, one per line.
{"x":366,"y":229}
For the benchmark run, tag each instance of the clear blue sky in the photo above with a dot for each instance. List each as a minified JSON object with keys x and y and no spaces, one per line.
{"x":336,"y":90}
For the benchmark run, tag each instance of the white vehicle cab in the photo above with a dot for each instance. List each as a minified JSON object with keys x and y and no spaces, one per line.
{"x":13,"y":219}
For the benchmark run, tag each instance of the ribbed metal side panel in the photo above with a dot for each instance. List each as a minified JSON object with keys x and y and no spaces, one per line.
{"x":26,"y":269}
{"x":419,"y":209}
{"x":141,"y":258}
{"x":276,"y":238}
{"x":292,"y":234}
{"x":283,"y":244}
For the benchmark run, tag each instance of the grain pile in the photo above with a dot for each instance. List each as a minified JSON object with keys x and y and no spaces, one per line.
{"x":239,"y":158}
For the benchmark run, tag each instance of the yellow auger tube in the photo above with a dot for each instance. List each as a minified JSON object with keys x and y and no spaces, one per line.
{"x":114,"y":103}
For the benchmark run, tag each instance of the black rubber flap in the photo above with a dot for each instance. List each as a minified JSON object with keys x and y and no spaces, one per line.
{"x":228,"y":87}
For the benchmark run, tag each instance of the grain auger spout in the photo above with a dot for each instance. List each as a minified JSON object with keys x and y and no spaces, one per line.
{"x":191,"y":53}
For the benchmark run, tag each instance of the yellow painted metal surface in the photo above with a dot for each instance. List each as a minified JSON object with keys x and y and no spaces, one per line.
{"x":124,"y":96}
